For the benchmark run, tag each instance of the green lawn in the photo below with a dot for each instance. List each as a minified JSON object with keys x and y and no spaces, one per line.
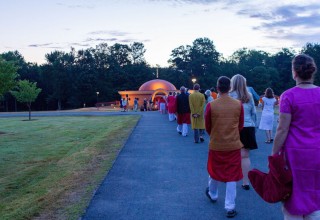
{"x":49,"y":167}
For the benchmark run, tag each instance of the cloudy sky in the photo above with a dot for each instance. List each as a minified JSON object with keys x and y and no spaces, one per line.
{"x":37,"y":27}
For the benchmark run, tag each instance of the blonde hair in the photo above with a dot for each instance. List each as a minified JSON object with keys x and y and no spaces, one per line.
{"x":239,"y":85}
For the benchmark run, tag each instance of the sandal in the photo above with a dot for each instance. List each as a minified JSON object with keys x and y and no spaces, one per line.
{"x":267,"y":142}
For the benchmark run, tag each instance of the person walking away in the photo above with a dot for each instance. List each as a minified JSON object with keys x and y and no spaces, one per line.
{"x":187,"y":91}
{"x":247,"y":135}
{"x":135,"y":104}
{"x":124,"y":104}
{"x":145,"y":103}
{"x":298,"y":134}
{"x":209,"y":98}
{"x":171,"y":100}
{"x":162,"y":103}
{"x":224,"y":121}
{"x":213,"y":93}
{"x":183,"y":112}
{"x":267,"y":116}
{"x":121,"y":106}
{"x":174,"y":94}
{"x":196,"y":102}
{"x":150,"y":105}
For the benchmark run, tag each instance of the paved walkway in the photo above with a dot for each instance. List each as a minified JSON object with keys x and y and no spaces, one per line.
{"x":162,"y":175}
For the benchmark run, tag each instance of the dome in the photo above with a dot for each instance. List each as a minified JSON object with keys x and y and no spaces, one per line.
{"x":157,"y":84}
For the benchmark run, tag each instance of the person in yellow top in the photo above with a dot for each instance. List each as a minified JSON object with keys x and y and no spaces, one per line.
{"x":197,"y":102}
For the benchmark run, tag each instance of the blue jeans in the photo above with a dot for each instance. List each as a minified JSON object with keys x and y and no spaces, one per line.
{"x":197,"y":134}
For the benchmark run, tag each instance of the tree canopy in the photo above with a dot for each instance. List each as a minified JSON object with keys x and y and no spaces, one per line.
{"x":8,"y":74}
{"x":72,"y":79}
{"x":26,"y":92}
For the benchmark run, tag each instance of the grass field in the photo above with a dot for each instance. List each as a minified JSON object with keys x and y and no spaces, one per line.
{"x":50,"y":167}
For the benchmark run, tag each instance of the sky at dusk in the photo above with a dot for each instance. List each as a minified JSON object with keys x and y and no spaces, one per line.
{"x":37,"y":27}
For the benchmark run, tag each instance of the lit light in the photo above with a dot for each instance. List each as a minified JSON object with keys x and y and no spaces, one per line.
{"x":97,"y":96}
{"x":194,"y":80}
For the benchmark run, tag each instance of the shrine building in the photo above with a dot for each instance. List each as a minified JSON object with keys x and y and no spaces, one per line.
{"x":152,"y":90}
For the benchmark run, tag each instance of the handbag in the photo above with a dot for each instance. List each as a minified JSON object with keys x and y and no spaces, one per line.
{"x":276,"y":185}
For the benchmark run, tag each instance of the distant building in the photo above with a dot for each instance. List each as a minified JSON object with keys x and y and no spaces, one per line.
{"x":153,"y":89}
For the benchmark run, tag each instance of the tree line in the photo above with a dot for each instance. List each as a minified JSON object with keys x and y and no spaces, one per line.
{"x":72,"y":79}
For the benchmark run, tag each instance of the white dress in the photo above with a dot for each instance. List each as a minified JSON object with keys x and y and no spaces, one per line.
{"x":267,"y":116}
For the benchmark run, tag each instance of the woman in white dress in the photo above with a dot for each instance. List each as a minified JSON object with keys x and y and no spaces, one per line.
{"x":267,"y":116}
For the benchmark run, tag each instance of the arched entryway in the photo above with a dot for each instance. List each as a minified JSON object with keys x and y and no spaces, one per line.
{"x":151,"y":90}
{"x":157,"y":97}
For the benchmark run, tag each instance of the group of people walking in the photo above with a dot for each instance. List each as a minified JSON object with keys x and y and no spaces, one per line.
{"x":231,"y":122}
{"x":190,"y":110}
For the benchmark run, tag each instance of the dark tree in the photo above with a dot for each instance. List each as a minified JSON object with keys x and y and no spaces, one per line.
{"x":282,"y":63}
{"x":313,"y":50}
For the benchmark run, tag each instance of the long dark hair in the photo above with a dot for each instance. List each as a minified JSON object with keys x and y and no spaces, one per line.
{"x":269,"y":93}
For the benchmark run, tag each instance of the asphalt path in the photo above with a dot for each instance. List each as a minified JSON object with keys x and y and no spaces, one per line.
{"x":162,"y":175}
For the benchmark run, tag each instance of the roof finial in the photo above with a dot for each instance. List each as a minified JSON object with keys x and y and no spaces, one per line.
{"x":157,"y":71}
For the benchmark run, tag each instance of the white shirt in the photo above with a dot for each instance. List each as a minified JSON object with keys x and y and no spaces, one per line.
{"x":268,"y":104}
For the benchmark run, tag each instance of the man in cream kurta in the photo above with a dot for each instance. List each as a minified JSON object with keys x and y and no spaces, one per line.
{"x":197,"y":102}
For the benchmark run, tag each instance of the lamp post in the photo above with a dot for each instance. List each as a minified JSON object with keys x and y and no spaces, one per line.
{"x":97,"y":96}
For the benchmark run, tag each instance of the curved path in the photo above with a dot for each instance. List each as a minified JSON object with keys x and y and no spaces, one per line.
{"x":162,"y":175}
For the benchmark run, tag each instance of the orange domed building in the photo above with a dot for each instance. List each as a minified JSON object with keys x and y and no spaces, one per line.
{"x":152,"y":90}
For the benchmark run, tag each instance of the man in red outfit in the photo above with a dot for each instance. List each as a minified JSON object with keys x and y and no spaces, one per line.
{"x":183,"y":112}
{"x":223,"y":121}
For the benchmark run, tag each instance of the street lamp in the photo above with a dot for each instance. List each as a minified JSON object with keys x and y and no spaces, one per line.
{"x":194,"y":80}
{"x":97,"y":96}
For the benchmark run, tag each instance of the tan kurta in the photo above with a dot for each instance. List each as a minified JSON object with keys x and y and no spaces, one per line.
{"x":226,"y":120}
{"x":196,"y":102}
